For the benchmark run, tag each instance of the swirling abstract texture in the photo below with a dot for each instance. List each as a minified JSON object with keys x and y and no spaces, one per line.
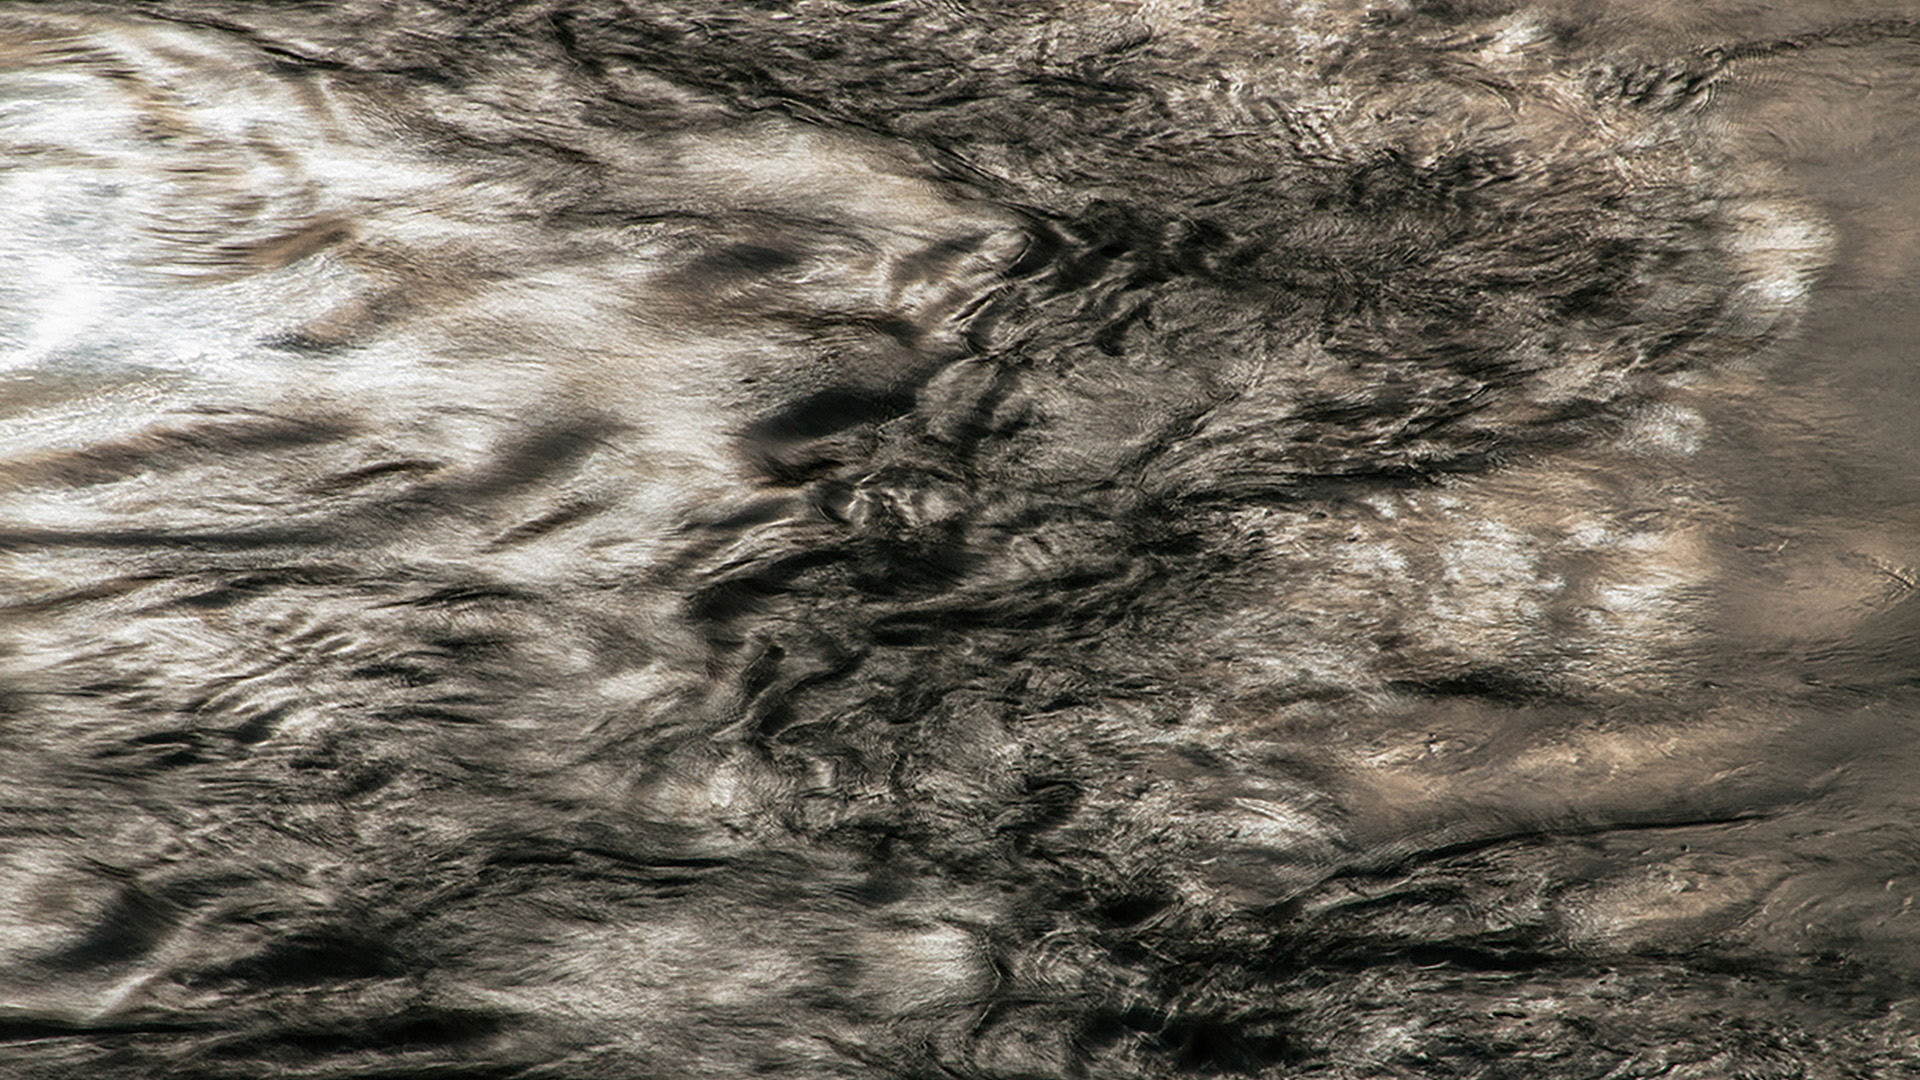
{"x":1034,"y":539}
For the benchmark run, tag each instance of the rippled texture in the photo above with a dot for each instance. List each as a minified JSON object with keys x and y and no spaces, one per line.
{"x":1003,"y":539}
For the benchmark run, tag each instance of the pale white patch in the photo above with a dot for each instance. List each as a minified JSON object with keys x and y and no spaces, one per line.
{"x":1666,"y":430}
{"x":1779,"y":251}
{"x":1275,"y":824}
